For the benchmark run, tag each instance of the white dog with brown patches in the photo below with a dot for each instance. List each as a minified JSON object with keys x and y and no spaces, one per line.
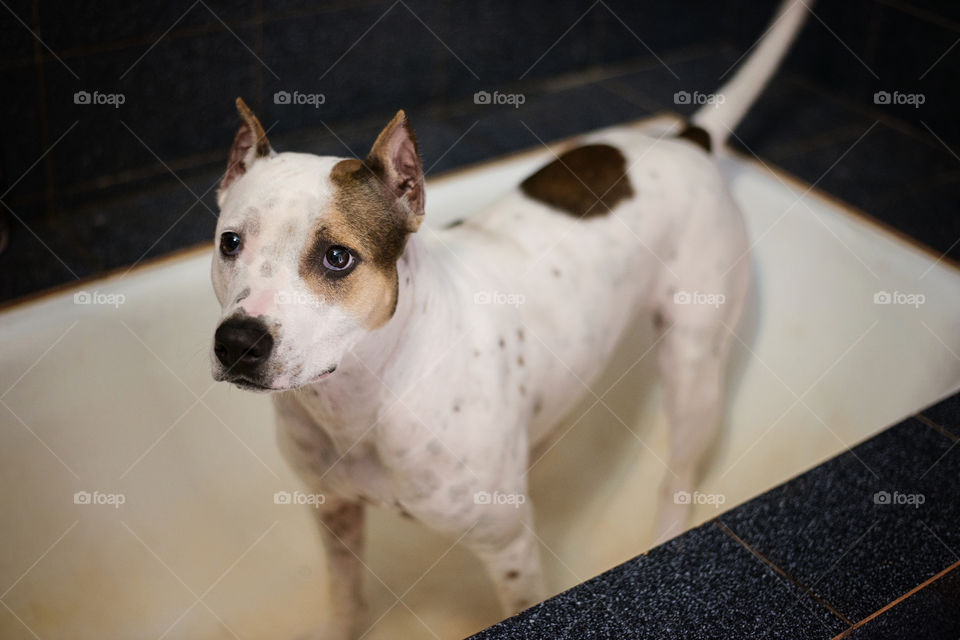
{"x":393,"y":388}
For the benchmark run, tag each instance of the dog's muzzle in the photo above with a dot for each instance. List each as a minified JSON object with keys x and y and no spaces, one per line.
{"x":242,"y":345}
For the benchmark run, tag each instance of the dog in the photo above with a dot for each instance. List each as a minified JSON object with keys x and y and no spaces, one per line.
{"x":393,"y":388}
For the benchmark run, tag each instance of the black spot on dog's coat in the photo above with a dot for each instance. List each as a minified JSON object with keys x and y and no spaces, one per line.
{"x":696,"y":135}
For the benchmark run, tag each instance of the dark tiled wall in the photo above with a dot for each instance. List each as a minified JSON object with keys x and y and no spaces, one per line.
{"x":77,"y":179}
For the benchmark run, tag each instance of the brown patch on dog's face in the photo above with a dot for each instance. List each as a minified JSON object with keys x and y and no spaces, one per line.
{"x":362,"y":219}
{"x":586,"y":181}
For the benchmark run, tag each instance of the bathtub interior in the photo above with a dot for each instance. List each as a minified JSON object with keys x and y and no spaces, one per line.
{"x":117,"y":399}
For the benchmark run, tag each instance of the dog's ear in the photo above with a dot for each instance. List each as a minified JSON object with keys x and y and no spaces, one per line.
{"x":249,"y":144}
{"x":394,"y":159}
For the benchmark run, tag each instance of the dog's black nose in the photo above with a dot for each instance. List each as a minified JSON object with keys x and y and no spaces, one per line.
{"x":242,"y":345}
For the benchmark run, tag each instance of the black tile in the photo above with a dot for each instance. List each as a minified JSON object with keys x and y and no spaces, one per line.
{"x":926,"y":212}
{"x":16,"y":37}
{"x":938,"y":10}
{"x":856,"y":539}
{"x":20,"y":172}
{"x":788,"y":116}
{"x":913,"y":48}
{"x":693,"y":78}
{"x":547,"y":117}
{"x":635,"y":30}
{"x":149,"y":224}
{"x":946,"y":413}
{"x":867,"y":174}
{"x":40,"y":255}
{"x":836,"y":45}
{"x":935,"y":609}
{"x":364,"y":61}
{"x":446,"y":145}
{"x":501,"y":43}
{"x":69,"y":25}
{"x":178,"y":99}
{"x":747,"y":20}
{"x":700,"y":585}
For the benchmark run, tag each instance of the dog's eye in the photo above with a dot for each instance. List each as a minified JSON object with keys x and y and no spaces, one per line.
{"x":229,"y":243}
{"x":338,"y":258}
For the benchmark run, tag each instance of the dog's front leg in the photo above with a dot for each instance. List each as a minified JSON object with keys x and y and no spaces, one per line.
{"x":505,"y":543}
{"x":341,"y":530}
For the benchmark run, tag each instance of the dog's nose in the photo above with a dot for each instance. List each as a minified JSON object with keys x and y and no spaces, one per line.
{"x":242,"y":344}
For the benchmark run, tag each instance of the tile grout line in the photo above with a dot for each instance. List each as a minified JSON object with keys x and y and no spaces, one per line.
{"x":806,"y":590}
{"x":894,"y":603}
{"x":919,"y":417}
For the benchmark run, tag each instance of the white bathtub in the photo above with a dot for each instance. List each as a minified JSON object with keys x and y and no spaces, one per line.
{"x":118,"y":400}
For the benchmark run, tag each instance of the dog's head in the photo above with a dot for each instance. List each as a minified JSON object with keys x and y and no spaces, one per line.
{"x":305,"y":262}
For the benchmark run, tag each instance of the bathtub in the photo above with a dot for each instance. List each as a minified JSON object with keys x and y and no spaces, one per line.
{"x":140,"y":498}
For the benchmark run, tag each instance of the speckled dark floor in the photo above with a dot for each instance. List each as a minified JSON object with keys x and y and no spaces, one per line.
{"x":866,"y":545}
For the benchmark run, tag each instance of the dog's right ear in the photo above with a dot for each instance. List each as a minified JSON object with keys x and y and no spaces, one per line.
{"x":249,"y":144}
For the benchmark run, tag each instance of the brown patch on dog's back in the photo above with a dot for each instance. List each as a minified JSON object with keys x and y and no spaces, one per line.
{"x":586,"y":181}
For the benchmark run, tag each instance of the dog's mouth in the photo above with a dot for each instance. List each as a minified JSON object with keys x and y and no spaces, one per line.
{"x":323,"y":374}
{"x":245,"y":383}
{"x":249,"y":385}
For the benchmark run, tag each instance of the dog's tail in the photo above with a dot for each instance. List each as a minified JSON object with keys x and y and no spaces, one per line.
{"x":713,"y":123}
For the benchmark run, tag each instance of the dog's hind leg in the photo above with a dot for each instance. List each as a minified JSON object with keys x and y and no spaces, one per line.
{"x":692,"y":360}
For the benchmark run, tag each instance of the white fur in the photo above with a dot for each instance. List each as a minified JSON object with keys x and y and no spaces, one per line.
{"x":446,"y":400}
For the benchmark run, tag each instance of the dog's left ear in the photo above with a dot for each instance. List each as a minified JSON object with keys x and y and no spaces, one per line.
{"x":249,"y":144}
{"x":394,"y":159}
